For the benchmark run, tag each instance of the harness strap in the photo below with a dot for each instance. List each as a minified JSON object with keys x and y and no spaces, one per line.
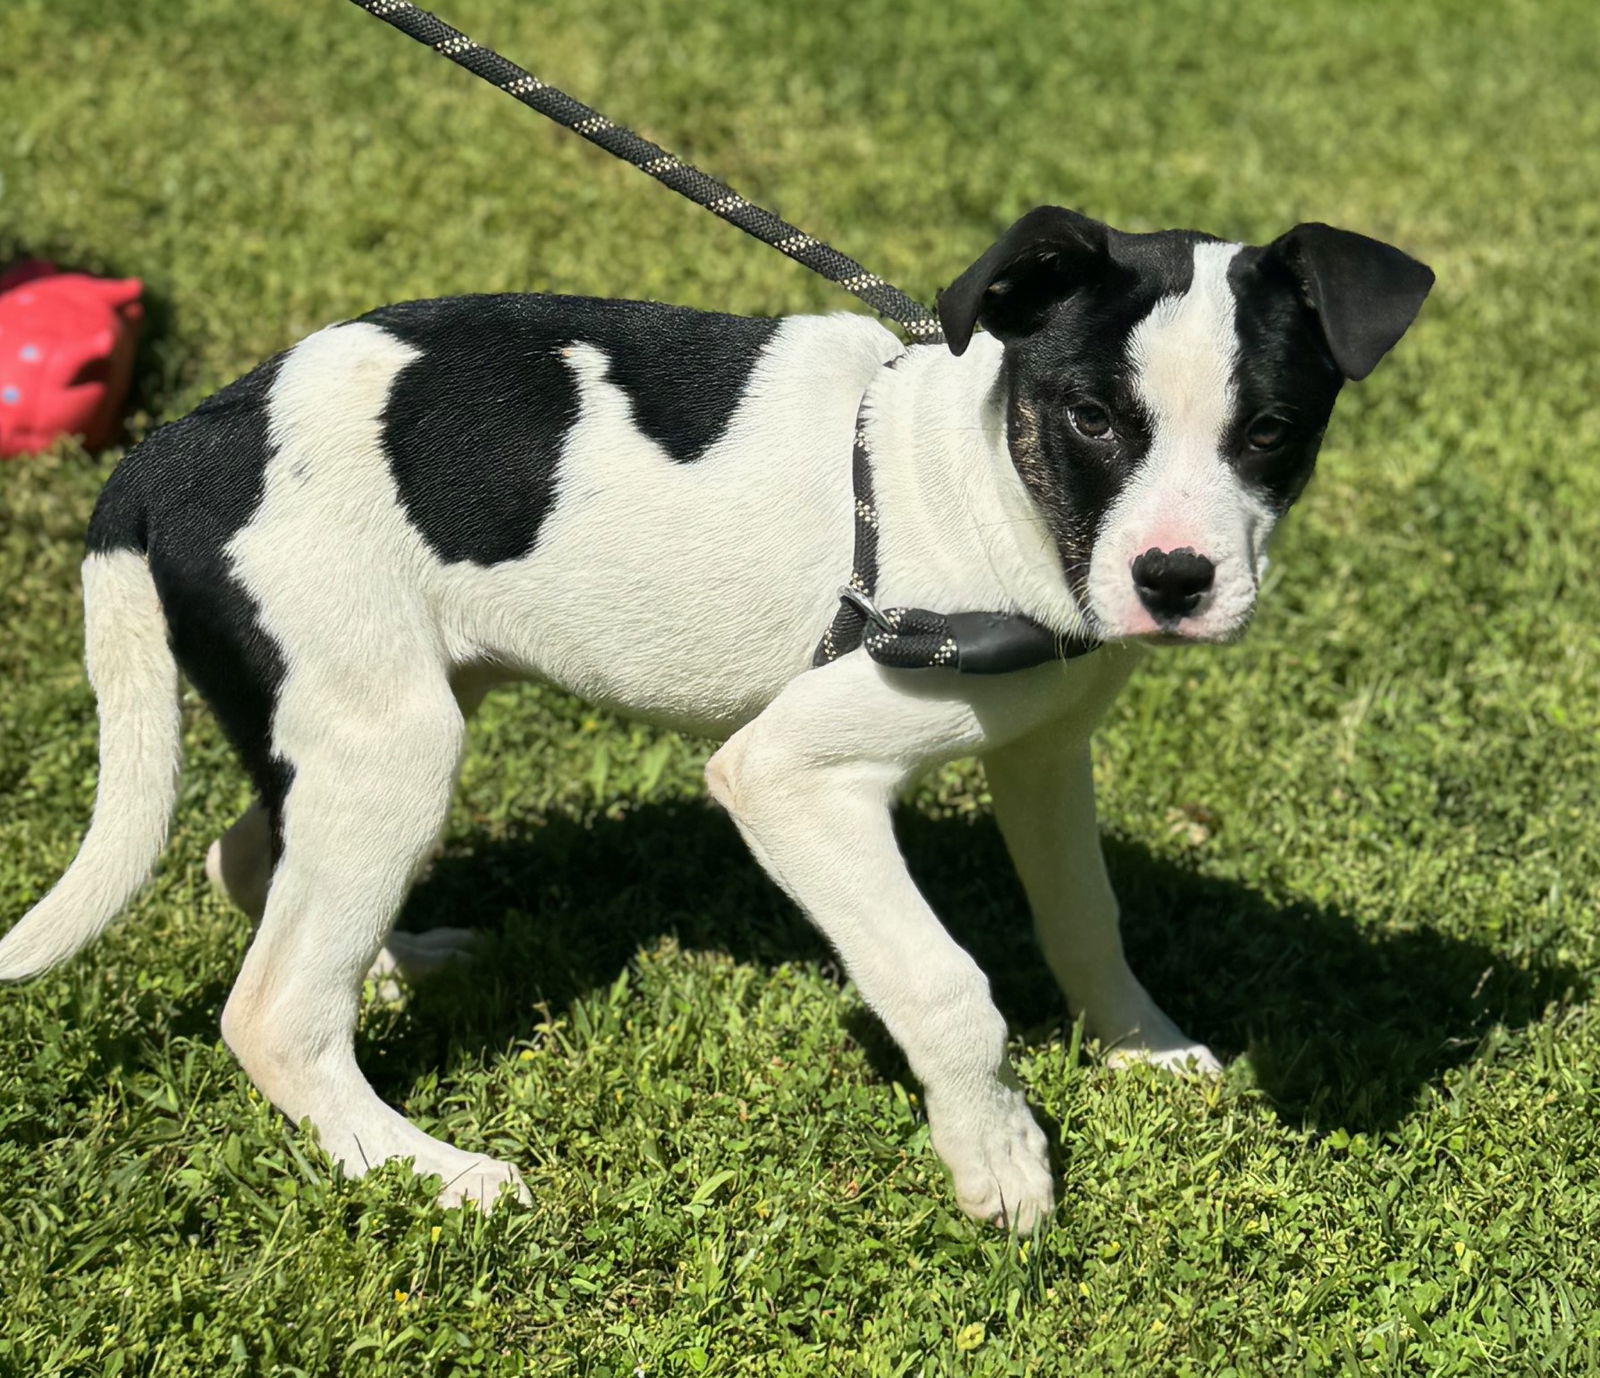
{"x":855,"y":598}
{"x":973,"y":643}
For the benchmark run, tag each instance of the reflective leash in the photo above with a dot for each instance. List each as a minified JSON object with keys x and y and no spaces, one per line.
{"x":690,"y":182}
{"x":903,"y":638}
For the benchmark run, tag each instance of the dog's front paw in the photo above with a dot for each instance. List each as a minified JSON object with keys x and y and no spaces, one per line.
{"x":1134,"y":1029}
{"x":1184,"y":1059}
{"x":999,"y":1159}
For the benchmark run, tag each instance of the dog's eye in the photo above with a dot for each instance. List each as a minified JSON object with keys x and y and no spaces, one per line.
{"x":1267,"y":432}
{"x":1090,"y":420}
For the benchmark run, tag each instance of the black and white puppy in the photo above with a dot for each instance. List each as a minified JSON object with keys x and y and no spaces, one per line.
{"x":651,"y":508}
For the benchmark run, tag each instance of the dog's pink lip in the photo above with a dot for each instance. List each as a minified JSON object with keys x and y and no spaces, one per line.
{"x":1146,"y":631}
{"x":1142,"y":627}
{"x":1215,"y":635}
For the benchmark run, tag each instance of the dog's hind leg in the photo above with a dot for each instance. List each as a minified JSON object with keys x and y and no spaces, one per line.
{"x":413,"y":957}
{"x":369,"y":793}
{"x":1043,"y":791}
{"x":239,"y":864}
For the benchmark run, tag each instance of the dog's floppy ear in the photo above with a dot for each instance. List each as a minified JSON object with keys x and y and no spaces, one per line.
{"x":1035,"y":263}
{"x":1365,"y":292}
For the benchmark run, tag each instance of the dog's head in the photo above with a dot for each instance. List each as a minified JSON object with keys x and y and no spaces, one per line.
{"x":1166,"y":395}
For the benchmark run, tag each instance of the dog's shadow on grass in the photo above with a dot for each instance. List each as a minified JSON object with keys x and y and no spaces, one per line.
{"x":1344,"y":1026}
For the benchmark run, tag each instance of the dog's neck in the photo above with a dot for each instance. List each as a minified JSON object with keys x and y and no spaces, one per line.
{"x":957,"y":527}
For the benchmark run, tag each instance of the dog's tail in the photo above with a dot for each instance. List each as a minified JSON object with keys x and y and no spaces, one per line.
{"x":135,"y":679}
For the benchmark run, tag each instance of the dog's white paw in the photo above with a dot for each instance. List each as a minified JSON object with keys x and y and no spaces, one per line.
{"x":415,"y":955}
{"x":374,"y":1134}
{"x":1134,"y":1029}
{"x":999,"y":1160}
{"x":407,"y":958}
{"x":1184,"y":1059}
{"x":465,"y":1179}
{"x":484,"y":1183}
{"x":1150,"y":1037}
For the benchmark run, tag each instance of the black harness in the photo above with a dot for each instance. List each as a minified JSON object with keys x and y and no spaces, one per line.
{"x":973,"y":643}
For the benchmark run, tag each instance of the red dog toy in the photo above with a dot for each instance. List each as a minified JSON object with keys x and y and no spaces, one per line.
{"x":66,"y":355}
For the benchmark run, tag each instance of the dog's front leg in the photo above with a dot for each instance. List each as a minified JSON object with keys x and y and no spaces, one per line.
{"x":1043,"y":790}
{"x":810,"y":783}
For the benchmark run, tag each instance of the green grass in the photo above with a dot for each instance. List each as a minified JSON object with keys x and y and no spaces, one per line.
{"x":1358,"y":854}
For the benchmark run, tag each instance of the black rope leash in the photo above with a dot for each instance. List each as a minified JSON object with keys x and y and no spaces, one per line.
{"x":687,"y":181}
{"x":903,"y":638}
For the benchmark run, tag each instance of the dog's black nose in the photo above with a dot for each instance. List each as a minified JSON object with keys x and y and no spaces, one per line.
{"x":1172,"y":582}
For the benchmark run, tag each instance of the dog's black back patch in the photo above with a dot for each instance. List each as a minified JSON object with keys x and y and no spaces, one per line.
{"x":475,"y":426}
{"x":181,"y":496}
